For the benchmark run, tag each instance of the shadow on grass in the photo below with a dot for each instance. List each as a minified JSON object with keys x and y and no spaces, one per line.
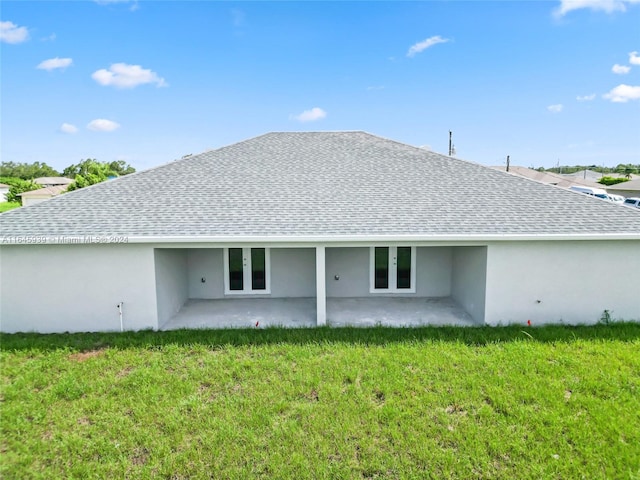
{"x":625,"y":332}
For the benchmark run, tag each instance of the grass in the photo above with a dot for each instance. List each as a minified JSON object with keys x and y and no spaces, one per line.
{"x":550,"y":402}
{"x":6,"y":206}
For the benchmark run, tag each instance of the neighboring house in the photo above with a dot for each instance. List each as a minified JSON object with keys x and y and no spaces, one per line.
{"x":313,"y":229}
{"x":36,"y":196}
{"x":593,"y":176}
{"x":550,"y":178}
{"x":4,"y":191}
{"x":53,"y":181}
{"x":626,"y":189}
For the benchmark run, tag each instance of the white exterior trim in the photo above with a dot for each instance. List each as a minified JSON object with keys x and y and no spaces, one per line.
{"x":392,"y":271}
{"x":246,"y":272}
{"x":321,"y":287}
{"x":311,"y":240}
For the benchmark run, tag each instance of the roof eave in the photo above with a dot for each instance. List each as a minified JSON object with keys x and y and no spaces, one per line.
{"x":331,"y":239}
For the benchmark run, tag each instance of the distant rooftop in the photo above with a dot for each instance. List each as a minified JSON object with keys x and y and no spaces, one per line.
{"x":46,"y":191}
{"x":53,"y":181}
{"x":550,"y":178}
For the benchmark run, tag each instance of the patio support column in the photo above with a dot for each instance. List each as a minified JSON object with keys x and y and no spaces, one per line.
{"x":321,"y":287}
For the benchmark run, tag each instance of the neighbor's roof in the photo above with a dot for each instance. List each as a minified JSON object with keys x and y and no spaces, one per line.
{"x":631,"y":185}
{"x":45,"y":192}
{"x":327,"y":185}
{"x":549,"y":178}
{"x":53,"y":181}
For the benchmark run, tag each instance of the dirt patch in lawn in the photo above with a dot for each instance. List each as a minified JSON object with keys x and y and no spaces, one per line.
{"x":84,"y":356}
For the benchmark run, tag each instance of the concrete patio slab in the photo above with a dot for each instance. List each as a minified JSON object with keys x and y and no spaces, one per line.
{"x":301,"y":312}
{"x":396,"y":312}
{"x":245,"y":313}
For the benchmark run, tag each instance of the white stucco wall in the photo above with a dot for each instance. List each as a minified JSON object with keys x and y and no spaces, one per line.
{"x":469,"y":280}
{"x":205,"y":263}
{"x":433,"y":272}
{"x":171,"y":282}
{"x":76,"y":288}
{"x":573,"y":281}
{"x":28,"y":201}
{"x":292,"y":273}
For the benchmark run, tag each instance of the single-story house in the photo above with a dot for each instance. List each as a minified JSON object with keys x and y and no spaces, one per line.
{"x":316,"y":228}
{"x":4,"y":191}
{"x":36,"y":196}
{"x":626,"y":189}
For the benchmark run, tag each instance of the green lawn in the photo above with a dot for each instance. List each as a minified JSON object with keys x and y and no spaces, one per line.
{"x":6,"y":206}
{"x":513,"y":402}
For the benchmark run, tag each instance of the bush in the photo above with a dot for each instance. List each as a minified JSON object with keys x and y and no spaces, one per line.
{"x":612,"y":180}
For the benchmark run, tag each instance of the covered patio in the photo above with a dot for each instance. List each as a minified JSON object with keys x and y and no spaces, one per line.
{"x":301,"y":312}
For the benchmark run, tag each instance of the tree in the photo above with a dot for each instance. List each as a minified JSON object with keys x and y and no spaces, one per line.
{"x":18,"y":186}
{"x":27,"y":171}
{"x":116,"y":169}
{"x":90,"y":172}
{"x":627,"y":169}
{"x":121,"y":168}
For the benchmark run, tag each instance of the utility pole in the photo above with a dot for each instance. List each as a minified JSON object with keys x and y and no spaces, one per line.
{"x":507,"y":163}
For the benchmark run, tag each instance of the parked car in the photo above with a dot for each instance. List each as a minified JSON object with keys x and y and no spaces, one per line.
{"x":619,"y":199}
{"x":632,"y":202}
{"x":594,"y":192}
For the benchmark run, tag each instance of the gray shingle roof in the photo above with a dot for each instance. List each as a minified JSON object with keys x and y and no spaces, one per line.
{"x":320,"y":184}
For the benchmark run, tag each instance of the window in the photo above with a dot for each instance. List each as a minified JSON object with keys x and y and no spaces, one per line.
{"x":393,"y":269}
{"x":246,"y":271}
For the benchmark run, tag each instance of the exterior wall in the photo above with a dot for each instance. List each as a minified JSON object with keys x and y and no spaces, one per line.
{"x":468,"y":283}
{"x":434,"y":269}
{"x":292,"y":273}
{"x":625,"y":193}
{"x":433,"y":272}
{"x":26,"y":201}
{"x":171,"y":282}
{"x":76,"y":288}
{"x":205,"y":263}
{"x":574,"y":282}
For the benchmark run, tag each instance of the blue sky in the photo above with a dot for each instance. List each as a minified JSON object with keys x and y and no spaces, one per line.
{"x":148,"y":82}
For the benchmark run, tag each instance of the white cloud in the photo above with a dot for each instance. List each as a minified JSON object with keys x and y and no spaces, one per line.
{"x":623,"y":93}
{"x":122,"y":75}
{"x":312,"y":115}
{"x":586,"y":98}
{"x":620,"y":69}
{"x":50,"y":38}
{"x":132,"y":8}
{"x":375,"y":87}
{"x":423,"y":45}
{"x":68,"y":128}
{"x":238,"y":17}
{"x":102,"y":125}
{"x":12,"y":33}
{"x":54,"y":63}
{"x":608,"y":6}
{"x":557,"y":108}
{"x":634,"y":59}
